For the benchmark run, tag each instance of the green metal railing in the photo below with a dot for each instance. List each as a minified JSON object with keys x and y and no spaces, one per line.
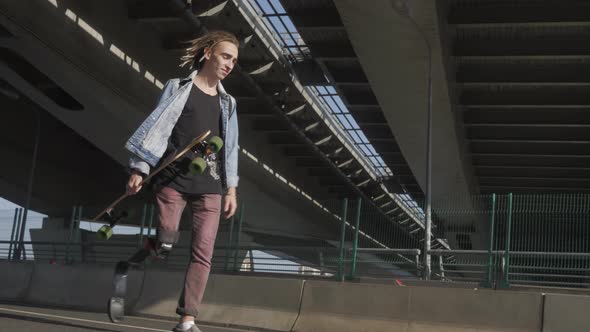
{"x":535,"y":239}
{"x":548,"y":242}
{"x":495,"y":241}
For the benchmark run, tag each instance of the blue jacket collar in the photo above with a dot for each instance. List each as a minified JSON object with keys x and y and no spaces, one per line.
{"x":192,"y":75}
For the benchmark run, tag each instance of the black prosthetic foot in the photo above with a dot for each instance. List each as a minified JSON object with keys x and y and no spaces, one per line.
{"x":116,"y":304}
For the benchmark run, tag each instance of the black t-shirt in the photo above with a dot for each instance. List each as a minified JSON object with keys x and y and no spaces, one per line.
{"x":201,"y":112}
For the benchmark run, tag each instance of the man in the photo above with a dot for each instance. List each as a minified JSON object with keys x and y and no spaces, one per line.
{"x":187,"y":108}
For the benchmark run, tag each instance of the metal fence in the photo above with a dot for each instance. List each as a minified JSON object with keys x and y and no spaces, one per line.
{"x":530,"y":239}
{"x":494,"y":241}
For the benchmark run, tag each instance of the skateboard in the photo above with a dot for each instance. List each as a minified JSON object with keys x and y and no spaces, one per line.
{"x":203,"y":149}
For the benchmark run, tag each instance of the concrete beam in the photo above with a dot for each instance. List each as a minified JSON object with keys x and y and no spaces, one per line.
{"x":395,"y":62}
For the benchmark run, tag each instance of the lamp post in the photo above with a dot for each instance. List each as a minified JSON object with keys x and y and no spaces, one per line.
{"x":403,"y":8}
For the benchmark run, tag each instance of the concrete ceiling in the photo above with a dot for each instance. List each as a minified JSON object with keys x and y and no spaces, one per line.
{"x":511,"y":87}
{"x":522,"y":74}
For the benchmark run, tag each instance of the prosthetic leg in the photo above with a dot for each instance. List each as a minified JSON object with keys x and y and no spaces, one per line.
{"x":152,"y":248}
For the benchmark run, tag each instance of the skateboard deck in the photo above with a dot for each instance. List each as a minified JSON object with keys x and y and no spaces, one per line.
{"x":197,"y":166}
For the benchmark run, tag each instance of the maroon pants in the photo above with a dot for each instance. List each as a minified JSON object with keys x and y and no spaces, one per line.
{"x":206,"y":210}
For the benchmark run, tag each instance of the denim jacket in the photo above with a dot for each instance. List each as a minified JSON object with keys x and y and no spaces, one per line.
{"x":150,"y":140}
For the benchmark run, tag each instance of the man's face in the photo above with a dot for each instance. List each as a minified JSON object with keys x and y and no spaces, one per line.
{"x":222,"y":59}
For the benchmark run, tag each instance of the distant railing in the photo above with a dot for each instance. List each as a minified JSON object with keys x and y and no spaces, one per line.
{"x":303,"y":261}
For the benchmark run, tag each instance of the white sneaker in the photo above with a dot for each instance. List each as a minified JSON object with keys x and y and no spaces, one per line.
{"x":193,"y":328}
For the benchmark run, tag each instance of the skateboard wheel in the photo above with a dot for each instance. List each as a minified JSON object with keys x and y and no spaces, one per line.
{"x":105,"y":232}
{"x":197,"y":166}
{"x":116,"y":309}
{"x":215,"y":144}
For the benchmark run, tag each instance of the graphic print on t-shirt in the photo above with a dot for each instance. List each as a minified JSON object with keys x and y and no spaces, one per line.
{"x":213,"y":166}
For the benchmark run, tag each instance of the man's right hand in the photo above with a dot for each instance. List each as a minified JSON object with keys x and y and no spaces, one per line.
{"x":134,"y":183}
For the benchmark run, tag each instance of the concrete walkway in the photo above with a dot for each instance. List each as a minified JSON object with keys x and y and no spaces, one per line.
{"x":29,"y":318}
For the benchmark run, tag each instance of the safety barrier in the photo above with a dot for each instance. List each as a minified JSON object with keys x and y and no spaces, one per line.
{"x":329,"y":306}
{"x":282,"y":304}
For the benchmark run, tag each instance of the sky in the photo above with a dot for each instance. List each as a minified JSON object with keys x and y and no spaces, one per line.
{"x":6,"y":205}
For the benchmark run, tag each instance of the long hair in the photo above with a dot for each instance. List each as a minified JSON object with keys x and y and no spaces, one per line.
{"x":195,"y":53}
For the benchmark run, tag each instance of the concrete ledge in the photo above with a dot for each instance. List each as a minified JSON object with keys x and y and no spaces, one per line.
{"x":160,"y":292}
{"x":15,"y":279}
{"x":474,"y":310}
{"x":267,"y":303}
{"x":77,"y":286}
{"x":566,"y":313}
{"x":280,"y":303}
{"x":550,"y":290}
{"x":330,"y":306}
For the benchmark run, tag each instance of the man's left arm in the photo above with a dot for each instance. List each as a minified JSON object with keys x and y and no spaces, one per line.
{"x":231,"y":202}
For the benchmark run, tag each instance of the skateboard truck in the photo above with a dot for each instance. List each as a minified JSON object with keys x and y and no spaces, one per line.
{"x":106,"y":231}
{"x":204,"y":152}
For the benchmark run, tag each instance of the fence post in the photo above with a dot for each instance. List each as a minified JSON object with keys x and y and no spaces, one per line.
{"x":357,"y":219}
{"x":417,"y":261}
{"x":340,"y":274}
{"x":488,"y":282}
{"x":251,"y":252}
{"x":72,"y":221}
{"x":239,"y":231}
{"x":143,"y":217}
{"x":505,"y":281}
{"x":228,"y":249}
{"x":77,"y":234}
{"x":17,"y":250}
{"x":321,"y":259}
{"x":151,"y":223}
{"x":441,"y":267}
{"x":15,"y":221}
